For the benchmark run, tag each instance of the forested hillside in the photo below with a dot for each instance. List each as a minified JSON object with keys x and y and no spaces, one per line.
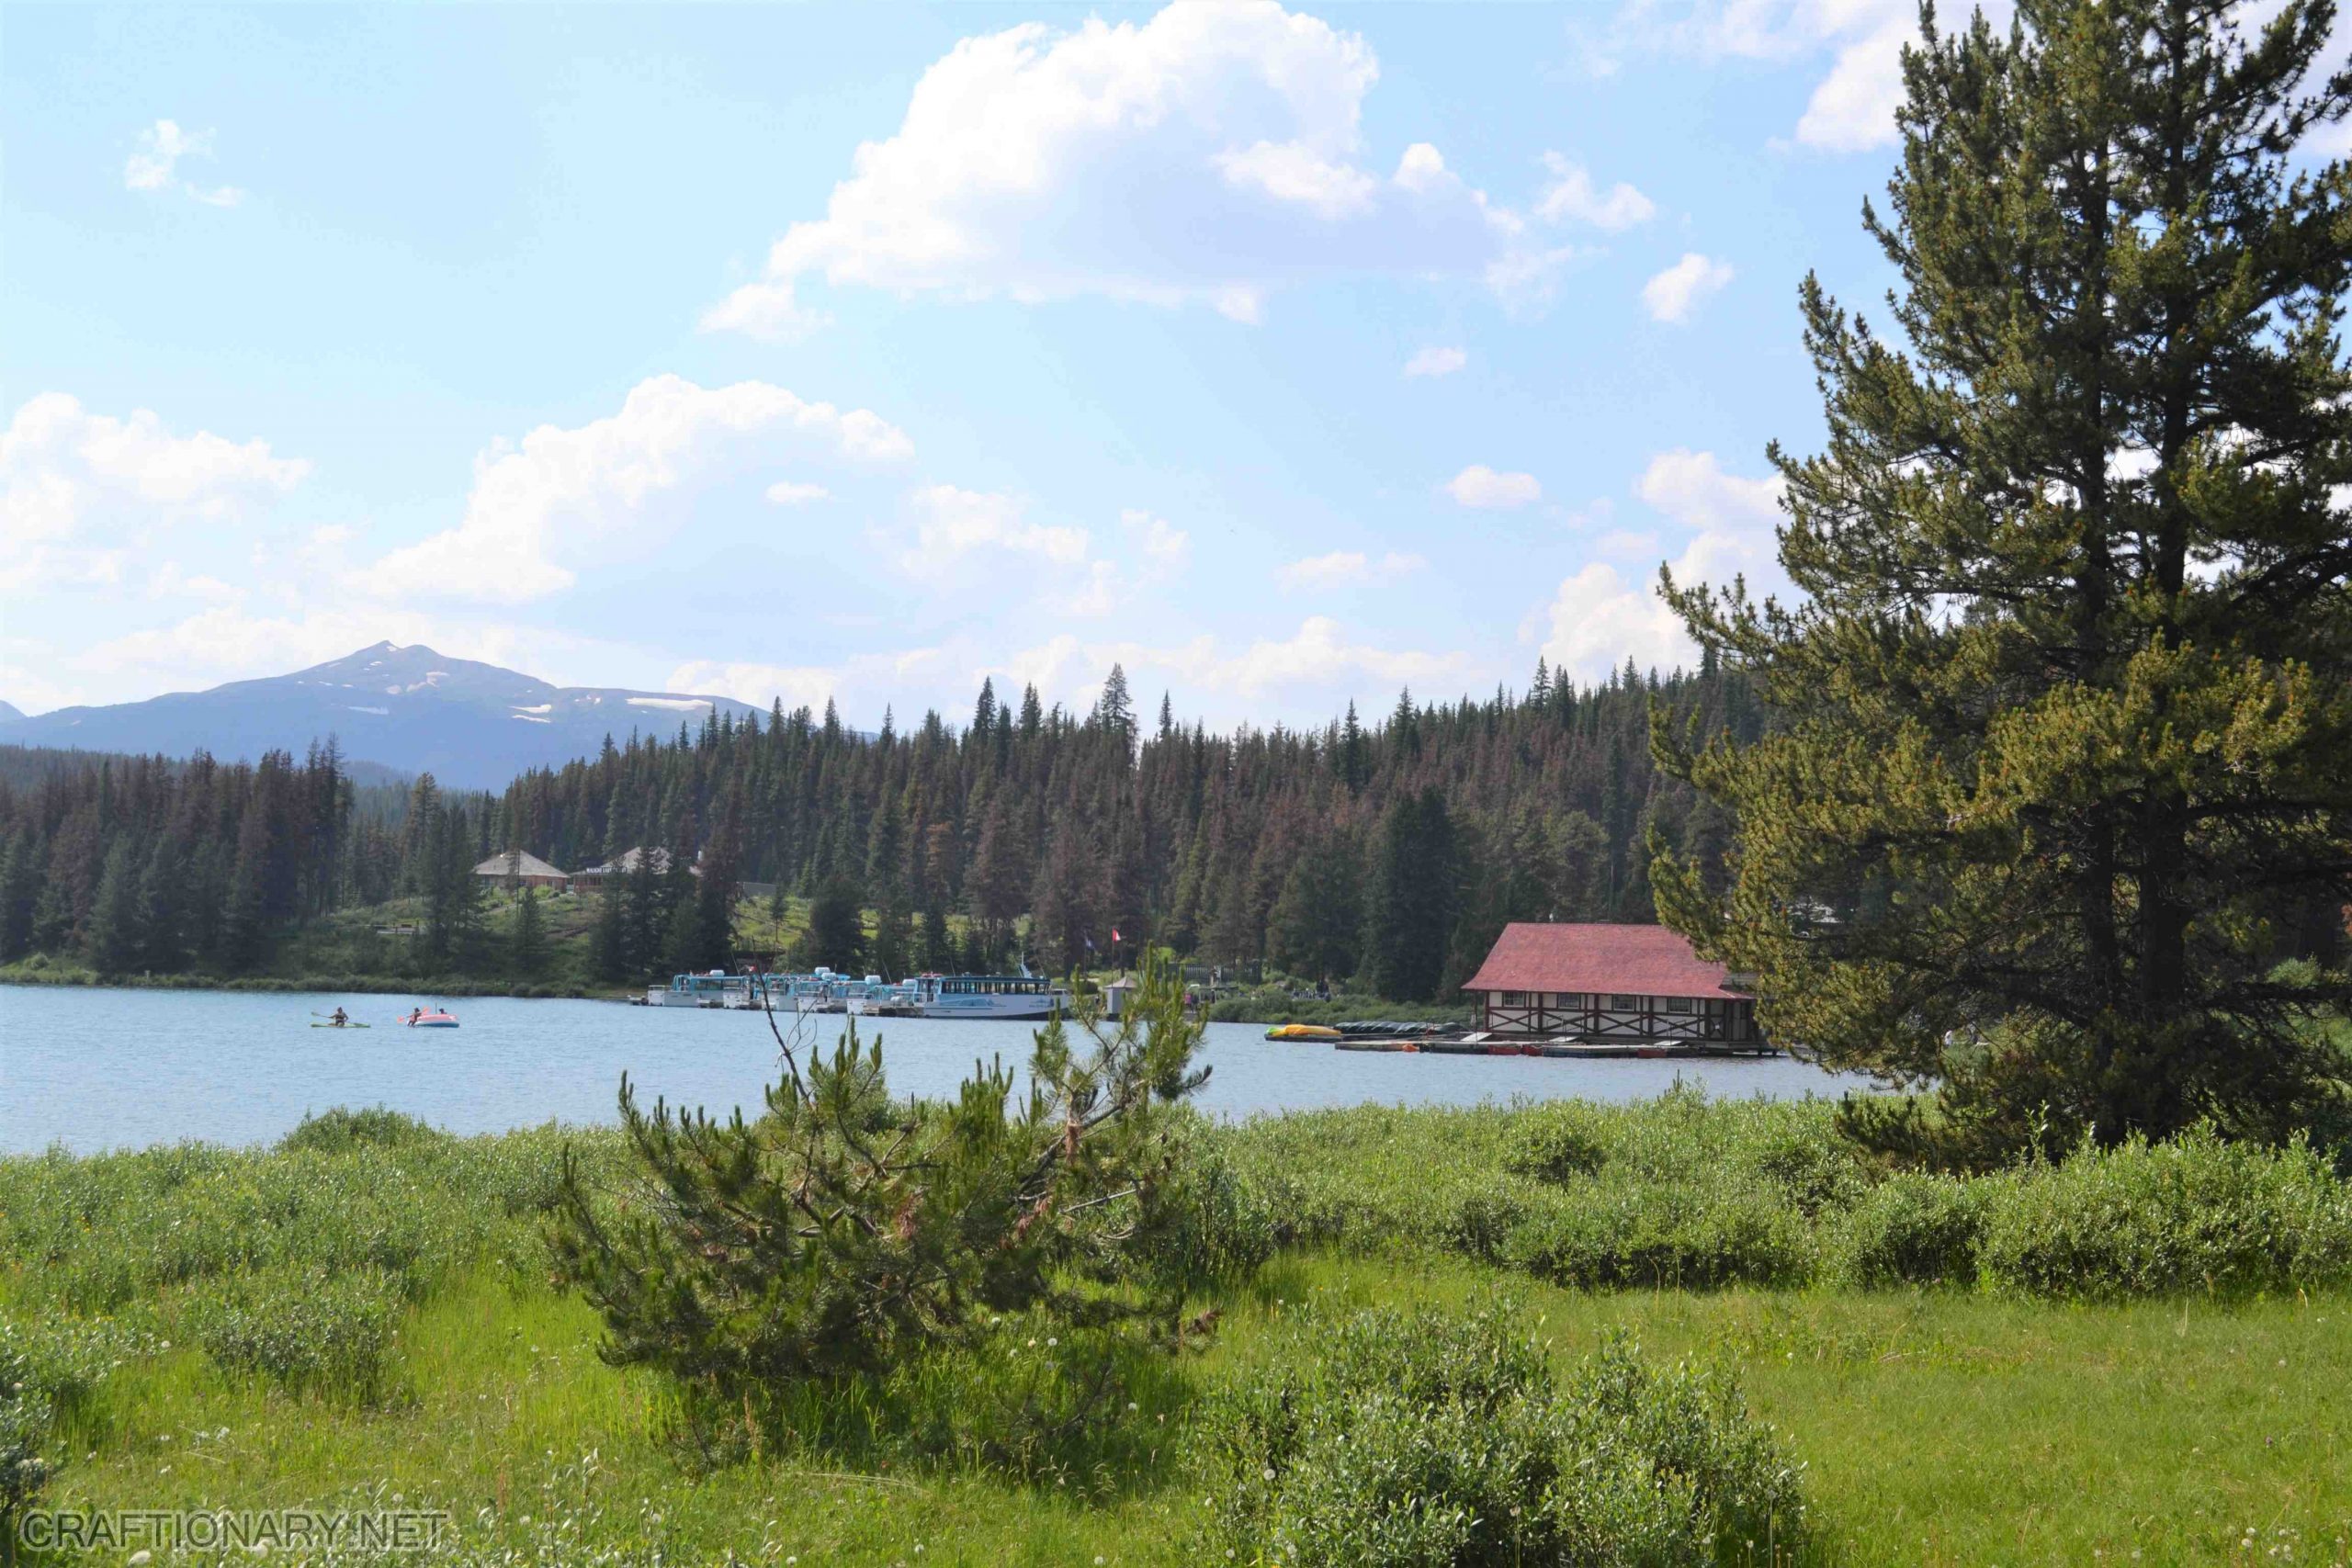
{"x":1391,"y":850}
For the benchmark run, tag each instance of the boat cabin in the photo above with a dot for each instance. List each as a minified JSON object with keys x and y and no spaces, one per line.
{"x":991,"y":985}
{"x":1599,"y":982}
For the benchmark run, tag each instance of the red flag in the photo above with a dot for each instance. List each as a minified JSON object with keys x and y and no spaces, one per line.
{"x":1115,"y":936}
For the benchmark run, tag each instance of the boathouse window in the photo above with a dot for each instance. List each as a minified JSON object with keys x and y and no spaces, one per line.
{"x":1679,"y":1004}
{"x":1568,"y":998}
{"x":1624,"y":1004}
{"x":1514,"y":998}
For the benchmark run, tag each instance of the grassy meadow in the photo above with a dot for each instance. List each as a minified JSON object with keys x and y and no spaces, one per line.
{"x":2137,"y":1355}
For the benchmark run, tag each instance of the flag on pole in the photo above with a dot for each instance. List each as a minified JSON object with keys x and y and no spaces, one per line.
{"x":1115,"y":936}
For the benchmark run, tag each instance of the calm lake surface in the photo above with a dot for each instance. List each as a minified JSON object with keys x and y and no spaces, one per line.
{"x":95,"y":1069}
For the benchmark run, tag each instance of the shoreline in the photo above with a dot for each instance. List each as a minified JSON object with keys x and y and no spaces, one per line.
{"x":357,"y":985}
{"x":59,"y":977}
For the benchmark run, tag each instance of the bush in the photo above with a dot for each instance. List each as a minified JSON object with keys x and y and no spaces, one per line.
{"x":1605,"y":1235}
{"x":1440,"y":1438}
{"x":305,"y":1333}
{"x":1212,"y":1220}
{"x":2149,"y":1219}
{"x":1912,"y":1229}
{"x":335,"y":1130}
{"x":1554,"y":1143}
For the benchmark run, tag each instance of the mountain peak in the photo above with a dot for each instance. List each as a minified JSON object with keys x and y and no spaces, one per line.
{"x":473,"y":725}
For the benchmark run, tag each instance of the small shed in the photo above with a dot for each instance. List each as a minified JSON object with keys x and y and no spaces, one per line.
{"x":520,"y":868}
{"x":1608,"y":983}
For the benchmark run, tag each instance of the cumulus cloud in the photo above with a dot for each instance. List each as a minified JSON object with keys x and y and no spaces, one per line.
{"x":1163,"y":543}
{"x":954,"y":523}
{"x":1851,"y":105}
{"x":558,"y":489}
{"x":1210,"y":154}
{"x":1673,"y":294}
{"x":154,"y":165}
{"x":79,"y":490}
{"x":1436,"y":362}
{"x":1600,"y":616}
{"x":1342,"y":569}
{"x":1572,"y":197}
{"x":1317,"y":657}
{"x":1484,"y":488}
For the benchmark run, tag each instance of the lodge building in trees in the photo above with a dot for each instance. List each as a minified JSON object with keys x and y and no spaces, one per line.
{"x":1609,"y":982}
{"x":520,"y":868}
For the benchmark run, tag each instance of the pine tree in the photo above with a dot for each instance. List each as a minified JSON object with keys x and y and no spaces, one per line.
{"x":162,"y":904}
{"x":114,"y":939}
{"x":836,"y":935}
{"x":528,"y":948}
{"x":2066,"y":724}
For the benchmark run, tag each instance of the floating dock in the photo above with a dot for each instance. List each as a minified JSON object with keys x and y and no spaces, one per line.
{"x":1435,"y":1039}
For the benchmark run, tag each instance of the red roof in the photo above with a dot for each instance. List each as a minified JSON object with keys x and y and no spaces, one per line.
{"x":1642,"y":960}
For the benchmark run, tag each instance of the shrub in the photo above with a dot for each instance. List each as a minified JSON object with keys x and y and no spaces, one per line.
{"x":1440,"y":1438}
{"x":328,"y":1335}
{"x":1213,"y":1221}
{"x":1912,"y":1229}
{"x":1554,"y":1143}
{"x":2148,"y":1219}
{"x":335,"y":1130}
{"x":1607,"y":1234}
{"x":844,"y":1233}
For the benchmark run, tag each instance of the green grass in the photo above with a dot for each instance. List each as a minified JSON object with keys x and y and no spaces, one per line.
{"x":1937,"y":1427}
{"x":1979,"y":1424}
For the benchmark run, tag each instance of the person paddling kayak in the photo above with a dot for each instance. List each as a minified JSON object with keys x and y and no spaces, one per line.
{"x":338,"y":1017}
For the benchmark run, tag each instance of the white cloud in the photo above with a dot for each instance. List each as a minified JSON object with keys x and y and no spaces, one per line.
{"x":1210,"y":154}
{"x":78,"y":489}
{"x":1482,"y":486}
{"x":1106,"y":590}
{"x":954,"y":523}
{"x":559,"y":489}
{"x":1672,"y":294}
{"x":1853,"y":108}
{"x":1345,"y":567}
{"x":796,"y":685}
{"x":1162,"y":543}
{"x":1599,"y":615}
{"x":1572,"y":197}
{"x":154,"y":164}
{"x":1317,"y":657}
{"x":788,"y":492}
{"x":1436,"y":362}
{"x":1691,"y":489}
{"x":1851,"y":105}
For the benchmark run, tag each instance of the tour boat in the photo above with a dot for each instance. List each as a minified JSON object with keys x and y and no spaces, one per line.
{"x":1007,"y":997}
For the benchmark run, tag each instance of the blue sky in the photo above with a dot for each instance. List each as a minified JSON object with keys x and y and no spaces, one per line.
{"x":1284,"y":355}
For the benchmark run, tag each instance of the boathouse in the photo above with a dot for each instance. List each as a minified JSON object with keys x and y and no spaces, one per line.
{"x":1609,"y":983}
{"x":520,"y":868}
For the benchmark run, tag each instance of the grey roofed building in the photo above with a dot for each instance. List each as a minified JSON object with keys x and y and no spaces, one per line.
{"x":520,"y":868}
{"x":625,"y":863}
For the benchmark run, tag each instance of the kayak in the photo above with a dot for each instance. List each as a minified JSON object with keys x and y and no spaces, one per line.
{"x":432,"y":1020}
{"x":338,"y":1026}
{"x":1302,"y":1031}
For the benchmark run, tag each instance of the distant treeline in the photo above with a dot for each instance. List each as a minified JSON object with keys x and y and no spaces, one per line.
{"x":161,"y":864}
{"x":1390,"y":852}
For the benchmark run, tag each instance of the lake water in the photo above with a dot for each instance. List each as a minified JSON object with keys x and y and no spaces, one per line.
{"x":95,"y":1069}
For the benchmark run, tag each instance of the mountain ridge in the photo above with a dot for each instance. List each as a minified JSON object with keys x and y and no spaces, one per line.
{"x":471,"y":724}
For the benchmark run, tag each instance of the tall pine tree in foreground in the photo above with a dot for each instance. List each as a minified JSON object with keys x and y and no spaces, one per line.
{"x":2065,"y":741}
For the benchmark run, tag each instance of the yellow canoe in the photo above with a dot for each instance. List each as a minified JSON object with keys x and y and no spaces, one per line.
{"x":1302,"y":1031}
